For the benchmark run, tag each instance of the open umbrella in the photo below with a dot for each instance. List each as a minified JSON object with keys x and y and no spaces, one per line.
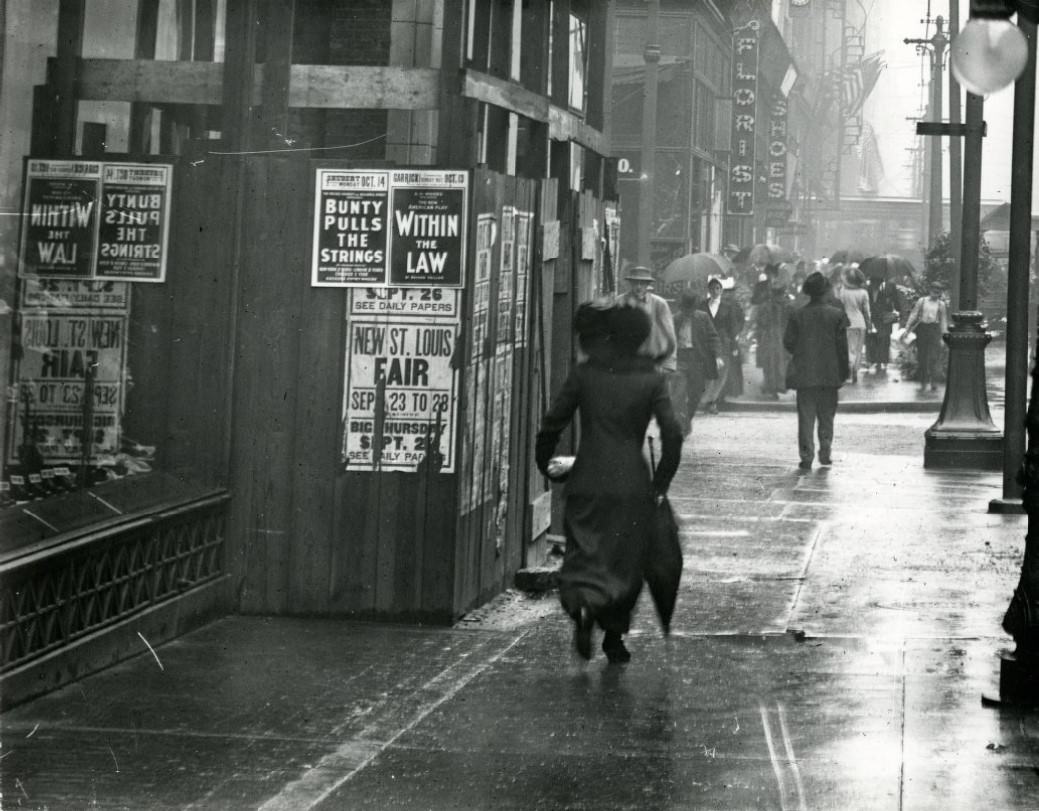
{"x":764,"y":254}
{"x":847,"y":257}
{"x":694,"y":269}
{"x":888,"y":266}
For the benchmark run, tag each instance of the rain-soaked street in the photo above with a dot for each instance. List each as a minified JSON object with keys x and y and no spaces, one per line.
{"x":834,"y":636}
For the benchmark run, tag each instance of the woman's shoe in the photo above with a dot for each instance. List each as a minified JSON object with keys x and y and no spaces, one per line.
{"x":583,"y":634}
{"x":613,"y":647}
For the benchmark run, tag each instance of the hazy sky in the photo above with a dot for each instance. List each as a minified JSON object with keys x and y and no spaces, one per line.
{"x":899,"y":95}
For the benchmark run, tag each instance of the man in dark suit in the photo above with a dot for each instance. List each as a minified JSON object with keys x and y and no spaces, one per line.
{"x":816,"y":336}
{"x":699,"y":357}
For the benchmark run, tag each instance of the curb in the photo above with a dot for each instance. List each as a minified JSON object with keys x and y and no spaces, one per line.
{"x":847,"y":407}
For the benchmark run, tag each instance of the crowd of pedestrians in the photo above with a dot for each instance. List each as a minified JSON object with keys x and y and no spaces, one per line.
{"x":642,"y":359}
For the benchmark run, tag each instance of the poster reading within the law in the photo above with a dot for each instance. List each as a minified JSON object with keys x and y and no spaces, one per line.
{"x":400,"y":398}
{"x":350,"y":228}
{"x":390,"y":228}
{"x":134,"y":224}
{"x":58,"y":349}
{"x":59,"y":222}
{"x":428,"y":247}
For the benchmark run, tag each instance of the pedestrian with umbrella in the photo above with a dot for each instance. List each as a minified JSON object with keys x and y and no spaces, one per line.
{"x":611,"y":496}
{"x":886,"y":305}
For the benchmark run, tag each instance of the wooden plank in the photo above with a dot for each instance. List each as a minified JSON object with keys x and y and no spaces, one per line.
{"x":316,"y":431}
{"x":314,"y":86}
{"x":71,"y":15}
{"x":238,"y":96}
{"x":139,"y":137}
{"x":278,"y":27}
{"x":505,"y":94}
{"x":356,"y":544}
{"x":565,"y":126}
{"x":364,"y":87}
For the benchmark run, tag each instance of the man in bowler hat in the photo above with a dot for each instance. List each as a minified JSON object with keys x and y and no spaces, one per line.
{"x":816,"y":337}
{"x":661,"y":344}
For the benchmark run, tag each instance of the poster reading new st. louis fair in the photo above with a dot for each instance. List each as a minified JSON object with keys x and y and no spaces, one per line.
{"x":383,"y":228}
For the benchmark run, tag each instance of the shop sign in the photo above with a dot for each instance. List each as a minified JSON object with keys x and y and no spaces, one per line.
{"x":400,"y":396}
{"x":777,"y":148}
{"x":744,"y":113}
{"x":399,"y":228}
{"x":95,"y":220}
{"x":57,"y":351}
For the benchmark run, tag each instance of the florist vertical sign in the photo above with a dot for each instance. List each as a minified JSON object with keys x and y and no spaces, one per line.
{"x":744,"y":114}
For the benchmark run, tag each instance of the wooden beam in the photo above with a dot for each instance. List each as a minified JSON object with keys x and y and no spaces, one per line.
{"x":565,"y":126}
{"x":145,"y":80}
{"x":238,"y":97}
{"x":316,"y":86}
{"x":144,"y":49}
{"x":71,"y":14}
{"x":364,"y":87}
{"x":510,"y":96}
{"x":279,"y":21}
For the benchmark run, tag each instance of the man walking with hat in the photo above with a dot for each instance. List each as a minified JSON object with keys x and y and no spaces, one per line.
{"x":816,"y":335}
{"x":661,"y":345}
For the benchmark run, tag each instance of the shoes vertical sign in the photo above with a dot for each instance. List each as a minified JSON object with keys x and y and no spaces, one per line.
{"x":88,"y":228}
{"x":397,"y":239}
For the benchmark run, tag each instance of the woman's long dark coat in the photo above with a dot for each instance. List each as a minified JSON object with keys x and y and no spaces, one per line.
{"x":610,"y":490}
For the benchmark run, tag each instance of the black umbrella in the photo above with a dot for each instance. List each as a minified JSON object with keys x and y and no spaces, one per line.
{"x":846,"y":257}
{"x":662,"y":565}
{"x":888,"y":266}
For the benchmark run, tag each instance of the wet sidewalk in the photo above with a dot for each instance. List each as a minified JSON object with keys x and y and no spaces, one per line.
{"x":874,"y":391}
{"x":834,"y":635}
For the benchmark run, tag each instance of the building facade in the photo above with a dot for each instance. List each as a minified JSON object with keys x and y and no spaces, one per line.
{"x":292,"y":284}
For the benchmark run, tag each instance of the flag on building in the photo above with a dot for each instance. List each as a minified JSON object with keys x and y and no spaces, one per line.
{"x":857,"y":81}
{"x":871,"y":165}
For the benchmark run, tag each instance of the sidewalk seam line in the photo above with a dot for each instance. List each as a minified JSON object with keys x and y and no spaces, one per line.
{"x":288,"y":797}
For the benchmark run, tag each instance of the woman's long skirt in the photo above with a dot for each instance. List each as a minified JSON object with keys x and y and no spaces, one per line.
{"x":606,"y":537}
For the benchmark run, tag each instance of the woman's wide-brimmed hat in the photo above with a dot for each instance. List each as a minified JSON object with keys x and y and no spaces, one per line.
{"x":639,"y":274}
{"x":854,"y":276}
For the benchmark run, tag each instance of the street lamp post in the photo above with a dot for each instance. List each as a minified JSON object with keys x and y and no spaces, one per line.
{"x":1019,"y":671}
{"x":647,"y":188}
{"x":990,"y":56}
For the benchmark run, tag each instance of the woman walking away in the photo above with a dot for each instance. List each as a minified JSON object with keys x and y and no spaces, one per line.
{"x":610,"y":493}
{"x":930,"y":320}
{"x":856,"y":306}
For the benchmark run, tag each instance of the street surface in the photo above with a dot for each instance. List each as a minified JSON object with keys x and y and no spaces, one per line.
{"x":834,"y":636}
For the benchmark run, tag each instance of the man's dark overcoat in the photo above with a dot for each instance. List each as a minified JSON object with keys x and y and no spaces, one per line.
{"x":816,"y":337}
